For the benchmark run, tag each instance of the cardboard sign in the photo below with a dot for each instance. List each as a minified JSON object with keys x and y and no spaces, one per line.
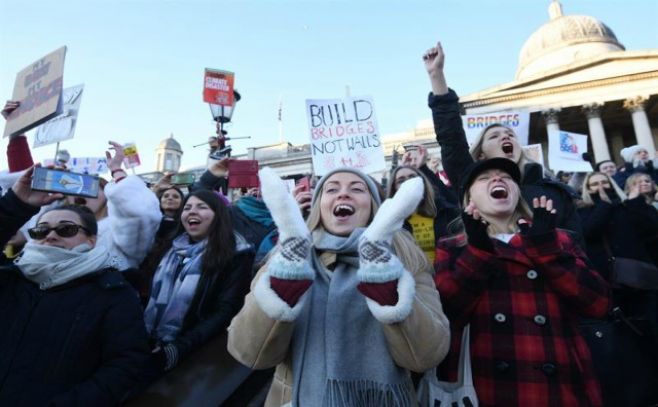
{"x":38,"y":88}
{"x":344,"y":133}
{"x":535,"y":152}
{"x":565,"y":152}
{"x":88,"y":165}
{"x":62,"y":126}
{"x":218,"y":87}
{"x":518,"y":121}
{"x":131,"y":159}
{"x":243,"y":174}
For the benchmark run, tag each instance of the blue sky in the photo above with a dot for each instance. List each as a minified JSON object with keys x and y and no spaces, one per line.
{"x":142,"y":61}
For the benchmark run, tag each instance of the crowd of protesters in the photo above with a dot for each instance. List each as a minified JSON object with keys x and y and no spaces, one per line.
{"x":342,"y":293}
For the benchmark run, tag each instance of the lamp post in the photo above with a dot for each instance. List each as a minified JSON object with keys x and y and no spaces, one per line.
{"x":221,"y":115}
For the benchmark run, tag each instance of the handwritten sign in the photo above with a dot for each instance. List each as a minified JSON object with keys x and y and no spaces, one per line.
{"x":131,"y":159}
{"x":565,"y":152}
{"x":218,"y":87}
{"x":344,"y":133}
{"x":38,"y":88}
{"x":518,"y":121}
{"x":62,"y":126}
{"x":88,"y":165}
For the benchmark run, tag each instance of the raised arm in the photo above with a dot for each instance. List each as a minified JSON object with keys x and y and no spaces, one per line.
{"x":446,"y":116}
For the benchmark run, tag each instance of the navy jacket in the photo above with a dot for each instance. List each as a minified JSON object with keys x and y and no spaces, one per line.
{"x":82,"y":343}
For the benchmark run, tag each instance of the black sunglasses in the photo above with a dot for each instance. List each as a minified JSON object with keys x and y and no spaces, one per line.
{"x":63,"y":230}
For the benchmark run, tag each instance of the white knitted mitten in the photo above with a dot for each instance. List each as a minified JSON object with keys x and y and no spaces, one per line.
{"x":291,"y":262}
{"x":377,"y":263}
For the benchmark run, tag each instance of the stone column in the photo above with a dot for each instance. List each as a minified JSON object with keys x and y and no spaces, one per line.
{"x":596,"y":131}
{"x":551,"y":119}
{"x":640,"y":122}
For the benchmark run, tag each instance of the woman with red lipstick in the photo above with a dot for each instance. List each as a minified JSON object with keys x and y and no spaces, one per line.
{"x":496,"y":140}
{"x":521,"y":284}
{"x":345,"y":307}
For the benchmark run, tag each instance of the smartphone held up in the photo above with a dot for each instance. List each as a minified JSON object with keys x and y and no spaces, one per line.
{"x":64,"y":182}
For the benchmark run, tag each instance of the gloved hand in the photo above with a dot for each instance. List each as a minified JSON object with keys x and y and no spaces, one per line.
{"x":377,"y":263}
{"x":394,"y":211}
{"x":476,"y":229}
{"x":291,"y":261}
{"x":544,"y":218}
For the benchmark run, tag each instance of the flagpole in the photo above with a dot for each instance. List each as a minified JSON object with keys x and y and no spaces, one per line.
{"x":280,"y":120}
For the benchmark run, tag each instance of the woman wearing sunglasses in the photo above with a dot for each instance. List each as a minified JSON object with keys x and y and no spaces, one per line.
{"x":72,"y":330}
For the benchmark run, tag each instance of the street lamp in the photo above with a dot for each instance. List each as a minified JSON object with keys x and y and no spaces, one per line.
{"x":222,"y":114}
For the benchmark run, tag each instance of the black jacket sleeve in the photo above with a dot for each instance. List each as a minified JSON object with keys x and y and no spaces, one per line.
{"x":225,"y":303}
{"x":208,"y":181}
{"x":595,"y":219}
{"x":450,"y":135}
{"x":14,"y":213}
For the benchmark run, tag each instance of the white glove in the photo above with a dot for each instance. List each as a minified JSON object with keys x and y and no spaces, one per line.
{"x":283,"y":207}
{"x":394,"y":211}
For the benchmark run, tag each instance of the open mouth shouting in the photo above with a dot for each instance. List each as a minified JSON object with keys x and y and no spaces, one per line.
{"x":508,"y":148}
{"x":343,"y":211}
{"x":499,"y":192}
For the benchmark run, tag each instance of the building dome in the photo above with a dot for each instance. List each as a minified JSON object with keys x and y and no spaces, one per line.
{"x":170,"y":144}
{"x":563,"y":41}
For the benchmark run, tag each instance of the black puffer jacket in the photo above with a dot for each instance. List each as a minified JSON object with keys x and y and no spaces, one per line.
{"x":79,"y":344}
{"x":456,"y":158}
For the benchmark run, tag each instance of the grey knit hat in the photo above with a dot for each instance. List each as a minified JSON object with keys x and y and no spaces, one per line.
{"x":372,"y":186}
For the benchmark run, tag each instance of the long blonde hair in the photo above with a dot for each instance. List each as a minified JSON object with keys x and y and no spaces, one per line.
{"x":521,"y":211}
{"x":633,"y":179}
{"x":404,"y":245}
{"x":476,"y":148}
{"x":587,"y":197}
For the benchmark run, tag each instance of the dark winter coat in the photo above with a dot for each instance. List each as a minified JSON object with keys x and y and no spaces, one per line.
{"x":627,"y":227}
{"x":522,"y":303}
{"x":456,"y":159}
{"x":79,"y":344}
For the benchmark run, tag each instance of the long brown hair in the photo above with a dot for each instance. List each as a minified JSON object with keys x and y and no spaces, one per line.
{"x":427,"y":207}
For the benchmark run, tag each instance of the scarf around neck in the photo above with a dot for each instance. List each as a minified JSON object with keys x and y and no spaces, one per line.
{"x":50,"y":266}
{"x":340,"y":355}
{"x":174,"y":284}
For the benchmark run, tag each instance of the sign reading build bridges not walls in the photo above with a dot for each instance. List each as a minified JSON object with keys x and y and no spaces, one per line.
{"x":344,"y":133}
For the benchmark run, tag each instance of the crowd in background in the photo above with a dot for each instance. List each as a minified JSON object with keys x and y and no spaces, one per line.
{"x":343,"y":292}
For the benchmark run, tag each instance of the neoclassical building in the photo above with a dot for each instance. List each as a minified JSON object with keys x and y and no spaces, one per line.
{"x":573,"y":74}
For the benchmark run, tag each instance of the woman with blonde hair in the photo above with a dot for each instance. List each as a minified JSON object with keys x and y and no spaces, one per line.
{"x":345,"y":307}
{"x":520,"y":283}
{"x":642,"y":184}
{"x":495,"y":140}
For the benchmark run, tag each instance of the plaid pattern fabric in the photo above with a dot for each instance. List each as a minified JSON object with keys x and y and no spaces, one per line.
{"x":522,"y":303}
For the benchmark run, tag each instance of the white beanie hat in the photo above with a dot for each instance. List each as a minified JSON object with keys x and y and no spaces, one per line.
{"x":628,"y":153}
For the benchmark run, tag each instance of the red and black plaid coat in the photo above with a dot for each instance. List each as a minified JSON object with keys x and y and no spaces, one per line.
{"x":522,"y":303}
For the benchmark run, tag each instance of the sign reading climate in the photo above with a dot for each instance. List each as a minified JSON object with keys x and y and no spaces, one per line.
{"x":344,"y":133}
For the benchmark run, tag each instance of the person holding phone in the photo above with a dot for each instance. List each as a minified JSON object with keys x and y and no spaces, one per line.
{"x":72,"y":331}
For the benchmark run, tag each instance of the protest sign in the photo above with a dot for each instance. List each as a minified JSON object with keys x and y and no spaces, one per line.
{"x":344,"y":133}
{"x":565,"y":152}
{"x":62,"y":126}
{"x":131,"y":159}
{"x":518,"y":121}
{"x":38,"y":88}
{"x":218,"y":87}
{"x":88,"y":165}
{"x":535,"y":152}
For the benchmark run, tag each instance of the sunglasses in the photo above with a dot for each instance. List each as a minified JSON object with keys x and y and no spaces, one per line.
{"x":64,"y":230}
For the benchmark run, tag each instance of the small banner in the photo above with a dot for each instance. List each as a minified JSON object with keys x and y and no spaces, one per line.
{"x":344,"y":133}
{"x":38,"y":88}
{"x":565,"y":152}
{"x":131,"y":159}
{"x":62,"y":126}
{"x":218,"y":87}
{"x":518,"y":121}
{"x":88,"y":165}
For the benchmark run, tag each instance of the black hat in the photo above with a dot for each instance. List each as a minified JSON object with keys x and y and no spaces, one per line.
{"x":478,"y":167}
